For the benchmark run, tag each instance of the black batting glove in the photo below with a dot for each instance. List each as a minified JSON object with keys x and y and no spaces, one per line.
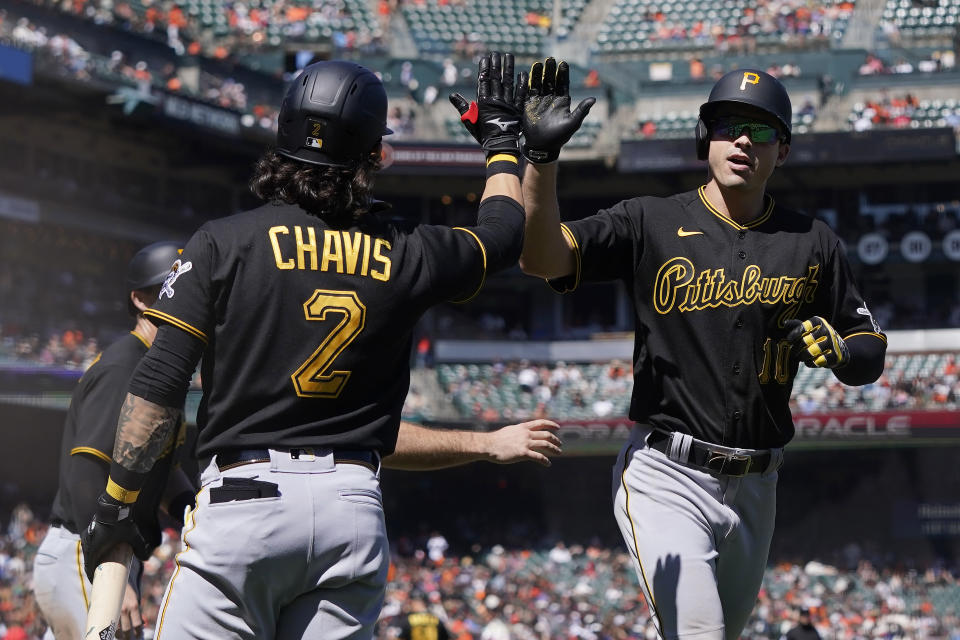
{"x":548,"y":122}
{"x":817,"y":344}
{"x":494,"y":118}
{"x":112,"y":524}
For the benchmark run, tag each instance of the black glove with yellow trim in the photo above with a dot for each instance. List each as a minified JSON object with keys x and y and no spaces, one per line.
{"x":493,"y":119}
{"x":817,"y":344}
{"x":112,"y":524}
{"x":548,"y":122}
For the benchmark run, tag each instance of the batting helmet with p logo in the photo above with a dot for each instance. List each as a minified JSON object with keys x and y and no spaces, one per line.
{"x":744,"y":86}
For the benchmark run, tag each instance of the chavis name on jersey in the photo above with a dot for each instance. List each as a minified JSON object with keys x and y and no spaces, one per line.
{"x":349,"y":252}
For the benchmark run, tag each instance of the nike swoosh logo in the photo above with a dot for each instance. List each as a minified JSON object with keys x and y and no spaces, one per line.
{"x":503,"y":124}
{"x":684,"y":234}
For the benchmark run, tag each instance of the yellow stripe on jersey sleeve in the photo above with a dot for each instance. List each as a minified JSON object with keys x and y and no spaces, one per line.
{"x":96,"y":453}
{"x":483,"y":275}
{"x":177,"y":322}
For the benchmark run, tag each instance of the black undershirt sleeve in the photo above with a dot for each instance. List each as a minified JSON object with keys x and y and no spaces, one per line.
{"x":163,"y":375}
{"x":86,"y":476}
{"x":500,"y":223}
{"x":867,"y":353}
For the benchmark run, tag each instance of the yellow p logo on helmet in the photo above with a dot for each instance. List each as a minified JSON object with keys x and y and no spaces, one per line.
{"x":749,"y":77}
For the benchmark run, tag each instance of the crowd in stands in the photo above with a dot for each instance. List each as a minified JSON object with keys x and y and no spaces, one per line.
{"x":239,"y":24}
{"x":552,"y":591}
{"x":897,"y":389}
{"x":903,"y":111}
{"x":81,"y":55}
{"x":936,"y":61}
{"x":56,"y":305}
{"x":521,"y":390}
{"x":789,"y":23}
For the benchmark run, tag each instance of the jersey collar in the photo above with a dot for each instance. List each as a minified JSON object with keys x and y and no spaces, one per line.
{"x":756,"y":222}
{"x":140,"y":338}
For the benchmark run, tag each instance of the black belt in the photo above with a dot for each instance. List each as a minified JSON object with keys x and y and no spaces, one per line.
{"x":708,"y":457}
{"x":56,"y":522}
{"x":238,"y":457}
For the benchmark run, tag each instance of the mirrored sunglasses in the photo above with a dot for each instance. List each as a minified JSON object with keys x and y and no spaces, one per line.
{"x":759,"y":132}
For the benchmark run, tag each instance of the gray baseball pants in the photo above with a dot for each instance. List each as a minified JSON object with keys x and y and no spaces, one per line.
{"x":308,"y":563}
{"x":699,"y":539}
{"x":60,"y":585}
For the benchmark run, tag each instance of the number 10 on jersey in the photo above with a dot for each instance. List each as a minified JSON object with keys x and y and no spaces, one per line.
{"x":775,"y":356}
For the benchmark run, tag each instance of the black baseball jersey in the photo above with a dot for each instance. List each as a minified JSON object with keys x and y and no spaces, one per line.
{"x":91,"y":429}
{"x":710,"y":298}
{"x":422,"y":626}
{"x":307,"y":327}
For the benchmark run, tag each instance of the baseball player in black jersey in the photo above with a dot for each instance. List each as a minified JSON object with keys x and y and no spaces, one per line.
{"x":303,"y":311}
{"x":420,"y":624}
{"x":59,"y":582}
{"x":730,"y":290}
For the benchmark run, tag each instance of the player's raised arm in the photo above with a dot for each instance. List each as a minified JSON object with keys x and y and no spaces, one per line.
{"x":548,"y":123}
{"x":493,"y":119}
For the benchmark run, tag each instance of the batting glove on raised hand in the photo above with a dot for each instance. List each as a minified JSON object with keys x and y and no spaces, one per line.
{"x":494,"y":118}
{"x":817,"y":344}
{"x":548,"y":122}
{"x":112,"y":524}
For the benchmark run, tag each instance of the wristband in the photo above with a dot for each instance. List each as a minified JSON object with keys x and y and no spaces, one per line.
{"x":124,"y":485}
{"x":540,"y":157}
{"x":501,"y":162}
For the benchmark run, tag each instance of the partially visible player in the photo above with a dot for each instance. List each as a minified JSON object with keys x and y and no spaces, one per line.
{"x":303,"y":310}
{"x":61,"y":587}
{"x":418,"y":623}
{"x":730,"y":291}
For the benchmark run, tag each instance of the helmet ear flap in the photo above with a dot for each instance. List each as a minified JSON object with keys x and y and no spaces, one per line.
{"x":702,"y":136}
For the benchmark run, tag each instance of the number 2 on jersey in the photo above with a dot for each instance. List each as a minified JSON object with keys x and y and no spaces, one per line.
{"x":314,"y":379}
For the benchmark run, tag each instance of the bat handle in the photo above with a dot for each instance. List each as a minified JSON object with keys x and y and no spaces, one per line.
{"x":106,"y":595}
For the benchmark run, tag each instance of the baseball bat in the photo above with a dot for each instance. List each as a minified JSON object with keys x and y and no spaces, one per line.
{"x":106,"y":595}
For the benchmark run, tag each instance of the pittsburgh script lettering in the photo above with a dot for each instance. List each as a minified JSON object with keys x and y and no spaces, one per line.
{"x":680,"y":285}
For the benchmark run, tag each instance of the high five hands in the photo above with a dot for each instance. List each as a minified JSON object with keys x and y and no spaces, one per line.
{"x":536,"y":106}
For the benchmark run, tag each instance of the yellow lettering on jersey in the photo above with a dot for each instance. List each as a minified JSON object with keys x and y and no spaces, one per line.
{"x":351,"y":250}
{"x":332,"y":252}
{"x":273,"y":232}
{"x":672,"y":276}
{"x":417,"y":619}
{"x":365,"y":263}
{"x":310,"y":247}
{"x":709,"y":288}
{"x":382,"y":259}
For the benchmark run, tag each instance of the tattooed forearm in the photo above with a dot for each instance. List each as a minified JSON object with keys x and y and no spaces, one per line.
{"x":143,"y":429}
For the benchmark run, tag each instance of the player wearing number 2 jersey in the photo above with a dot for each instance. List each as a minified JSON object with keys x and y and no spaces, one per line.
{"x":303,"y":311}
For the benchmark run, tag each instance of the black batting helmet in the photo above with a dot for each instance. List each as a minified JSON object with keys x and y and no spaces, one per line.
{"x":333,"y":114}
{"x":745,"y":86}
{"x":150,"y":267}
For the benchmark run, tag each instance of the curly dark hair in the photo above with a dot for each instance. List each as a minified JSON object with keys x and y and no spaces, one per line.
{"x":339,"y":195}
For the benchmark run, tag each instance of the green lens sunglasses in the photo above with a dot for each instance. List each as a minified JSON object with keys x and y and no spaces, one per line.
{"x":759,"y":132}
